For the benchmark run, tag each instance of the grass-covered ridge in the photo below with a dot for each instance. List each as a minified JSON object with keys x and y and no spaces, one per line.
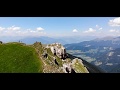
{"x":19,"y":58}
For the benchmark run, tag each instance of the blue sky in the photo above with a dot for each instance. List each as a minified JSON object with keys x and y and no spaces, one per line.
{"x":59,"y":26}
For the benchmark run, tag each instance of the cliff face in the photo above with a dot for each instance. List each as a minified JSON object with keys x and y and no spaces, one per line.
{"x":58,"y":49}
{"x":56,"y":60}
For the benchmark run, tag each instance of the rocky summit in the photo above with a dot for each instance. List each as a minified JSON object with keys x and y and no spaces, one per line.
{"x":61,"y":60}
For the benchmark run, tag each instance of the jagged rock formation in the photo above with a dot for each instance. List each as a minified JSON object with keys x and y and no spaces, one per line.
{"x":57,"y":49}
{"x":68,"y":65}
{"x":75,"y":66}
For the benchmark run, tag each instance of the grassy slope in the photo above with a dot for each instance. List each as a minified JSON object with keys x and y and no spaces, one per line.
{"x":79,"y":67}
{"x":91,"y":68}
{"x":17,"y":58}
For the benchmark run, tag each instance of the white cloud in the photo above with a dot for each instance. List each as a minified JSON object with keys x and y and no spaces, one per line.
{"x":32,"y":31}
{"x":97,"y":26}
{"x":114,"y":22}
{"x":17,"y":31}
{"x":75,"y":30}
{"x":39,"y":29}
{"x":13,"y":28}
{"x":100,"y":28}
{"x":28,"y":29}
{"x":91,"y":30}
{"x":117,"y":31}
{"x":1,"y":28}
{"x":112,"y":31}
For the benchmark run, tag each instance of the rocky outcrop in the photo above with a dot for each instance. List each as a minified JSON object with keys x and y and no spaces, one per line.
{"x":57,"y":49}
{"x":68,"y":65}
{"x":75,"y":66}
{"x":45,"y":55}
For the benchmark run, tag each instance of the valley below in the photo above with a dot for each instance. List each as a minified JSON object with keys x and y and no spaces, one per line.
{"x":102,"y":53}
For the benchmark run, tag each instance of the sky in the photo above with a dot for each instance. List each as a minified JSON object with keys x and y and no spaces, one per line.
{"x":59,"y":26}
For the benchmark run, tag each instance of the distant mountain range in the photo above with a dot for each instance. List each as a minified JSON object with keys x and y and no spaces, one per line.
{"x":42,"y":39}
{"x":96,"y":43}
{"x":48,"y":40}
{"x":106,"y":52}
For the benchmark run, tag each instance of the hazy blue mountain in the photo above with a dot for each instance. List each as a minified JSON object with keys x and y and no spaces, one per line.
{"x":43,"y":39}
{"x":9,"y":39}
{"x":96,"y":43}
{"x":46,"y":40}
{"x":76,"y":39}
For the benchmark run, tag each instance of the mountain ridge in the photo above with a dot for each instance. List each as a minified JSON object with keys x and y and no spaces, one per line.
{"x":51,"y":63}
